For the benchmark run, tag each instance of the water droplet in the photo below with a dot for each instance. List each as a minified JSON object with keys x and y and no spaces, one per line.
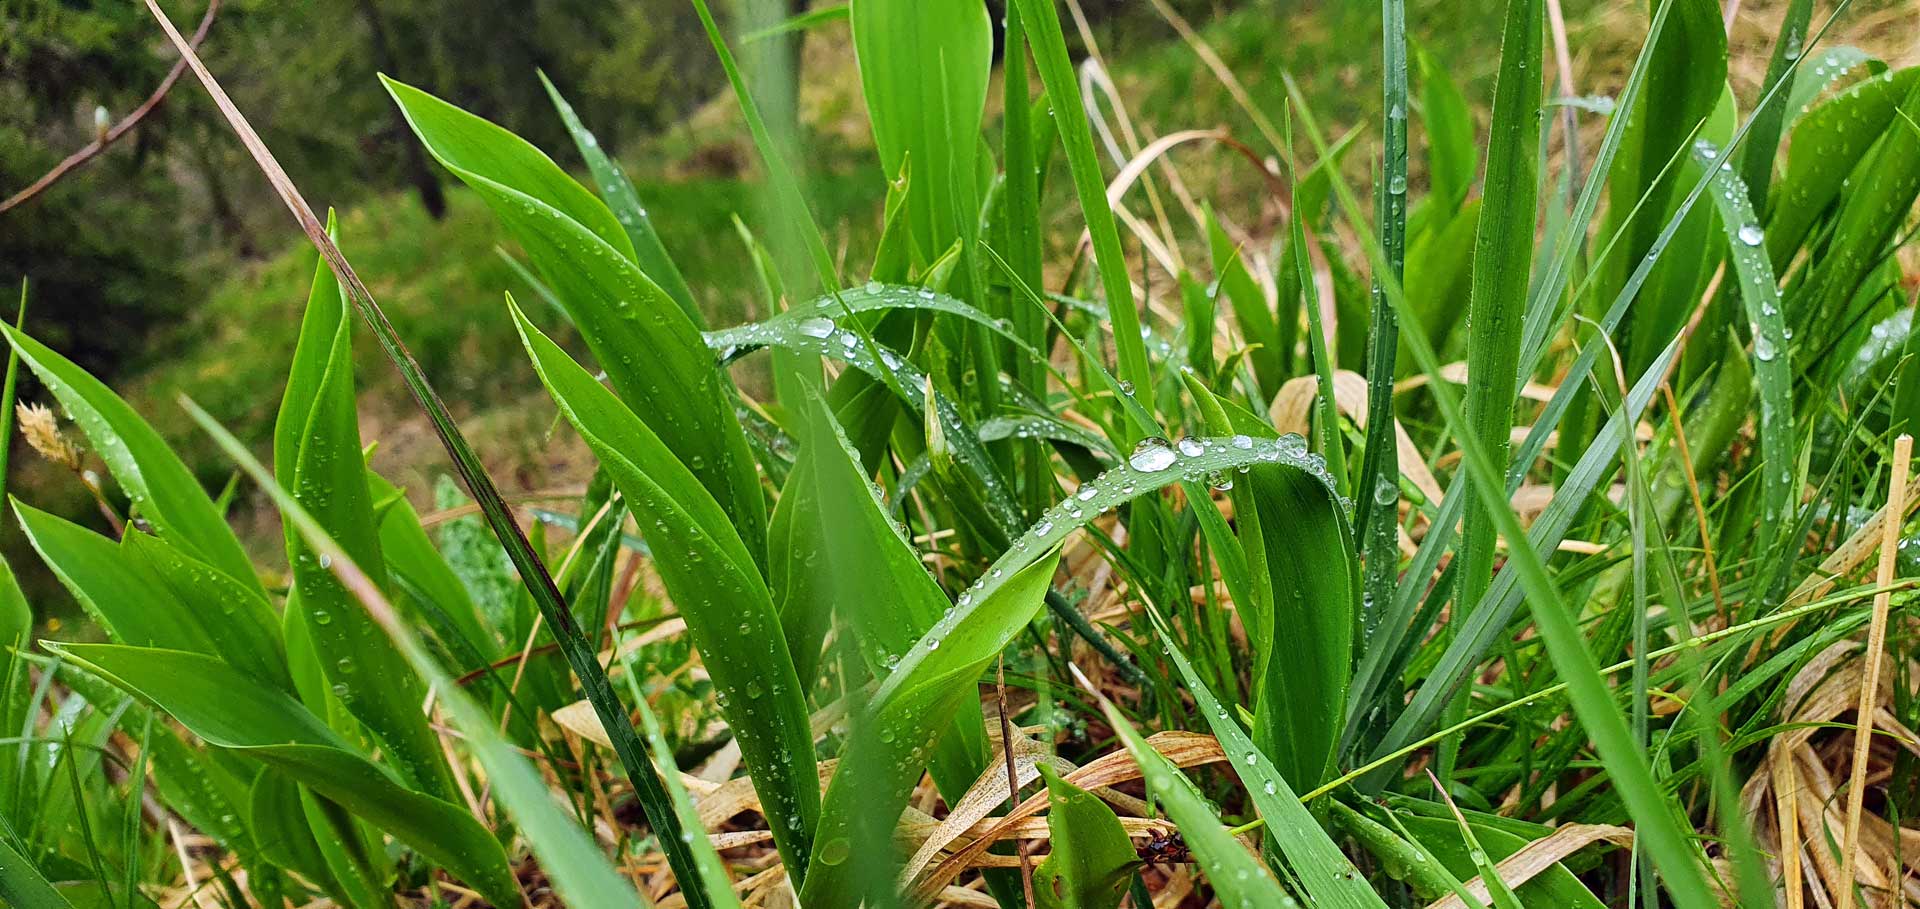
{"x":1191,"y":447}
{"x":1751,"y":234}
{"x":1397,"y":185}
{"x":1384,"y":493}
{"x":816,"y":327}
{"x":1243,"y":442}
{"x":1152,"y":455}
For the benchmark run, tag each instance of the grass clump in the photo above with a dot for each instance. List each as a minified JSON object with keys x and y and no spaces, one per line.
{"x":1218,"y":540}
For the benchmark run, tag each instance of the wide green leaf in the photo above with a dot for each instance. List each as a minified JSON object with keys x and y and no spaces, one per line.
{"x":1092,"y":858}
{"x":317,"y":455}
{"x":163,"y":490}
{"x":924,"y":67}
{"x":650,"y":349}
{"x":715,"y":585}
{"x":146,"y":593}
{"x":868,"y":576}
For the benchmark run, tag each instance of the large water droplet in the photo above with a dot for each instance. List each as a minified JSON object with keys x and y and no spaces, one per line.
{"x":816,"y":327}
{"x":1152,"y":455}
{"x":1751,"y":234}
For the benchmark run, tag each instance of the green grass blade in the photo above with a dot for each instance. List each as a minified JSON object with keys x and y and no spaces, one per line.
{"x":871,"y":579}
{"x":623,"y":200}
{"x":1049,"y":45}
{"x":146,"y":593}
{"x":886,"y":750}
{"x":539,"y":584}
{"x":1756,"y":163}
{"x":1092,"y":859}
{"x":1376,"y":513}
{"x":1670,"y":846}
{"x":1828,"y":143}
{"x":21,"y":884}
{"x":1324,"y":872}
{"x":650,"y":350}
{"x":788,"y":198}
{"x":924,"y":67}
{"x":1760,"y":296}
{"x":317,"y":454}
{"x":1502,"y":257}
{"x":716,"y":586}
{"x":713,"y":871}
{"x":1239,"y":880}
{"x":1020,"y":197}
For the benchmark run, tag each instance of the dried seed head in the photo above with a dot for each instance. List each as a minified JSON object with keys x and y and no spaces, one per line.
{"x":42,"y":430}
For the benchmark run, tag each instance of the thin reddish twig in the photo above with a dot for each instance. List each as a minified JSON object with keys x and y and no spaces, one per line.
{"x":93,"y":149}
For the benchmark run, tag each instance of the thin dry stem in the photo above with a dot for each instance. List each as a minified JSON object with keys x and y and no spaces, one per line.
{"x":1870,"y":673}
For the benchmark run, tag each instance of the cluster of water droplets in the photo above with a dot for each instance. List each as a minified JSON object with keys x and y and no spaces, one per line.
{"x":1153,"y":464}
{"x":1749,"y":255}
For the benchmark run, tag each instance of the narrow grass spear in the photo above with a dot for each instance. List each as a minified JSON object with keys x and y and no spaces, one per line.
{"x":533,"y":573}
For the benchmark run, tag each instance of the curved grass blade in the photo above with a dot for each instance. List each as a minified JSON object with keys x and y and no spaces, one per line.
{"x":821,"y":336}
{"x":569,"y":854}
{"x":1761,"y":298}
{"x":623,"y":200}
{"x":651,"y":351}
{"x":163,"y":490}
{"x":500,"y":519}
{"x":227,"y":709}
{"x":913,"y":702}
{"x":713,"y":581}
{"x":889,"y":744}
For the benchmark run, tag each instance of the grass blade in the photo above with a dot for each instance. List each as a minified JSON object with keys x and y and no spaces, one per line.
{"x":1049,"y":45}
{"x":718,"y":590}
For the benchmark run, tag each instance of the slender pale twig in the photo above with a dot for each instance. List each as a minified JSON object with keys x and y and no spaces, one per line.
{"x":1870,"y":673}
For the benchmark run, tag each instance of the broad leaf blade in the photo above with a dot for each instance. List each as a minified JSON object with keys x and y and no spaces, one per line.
{"x":716,"y":587}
